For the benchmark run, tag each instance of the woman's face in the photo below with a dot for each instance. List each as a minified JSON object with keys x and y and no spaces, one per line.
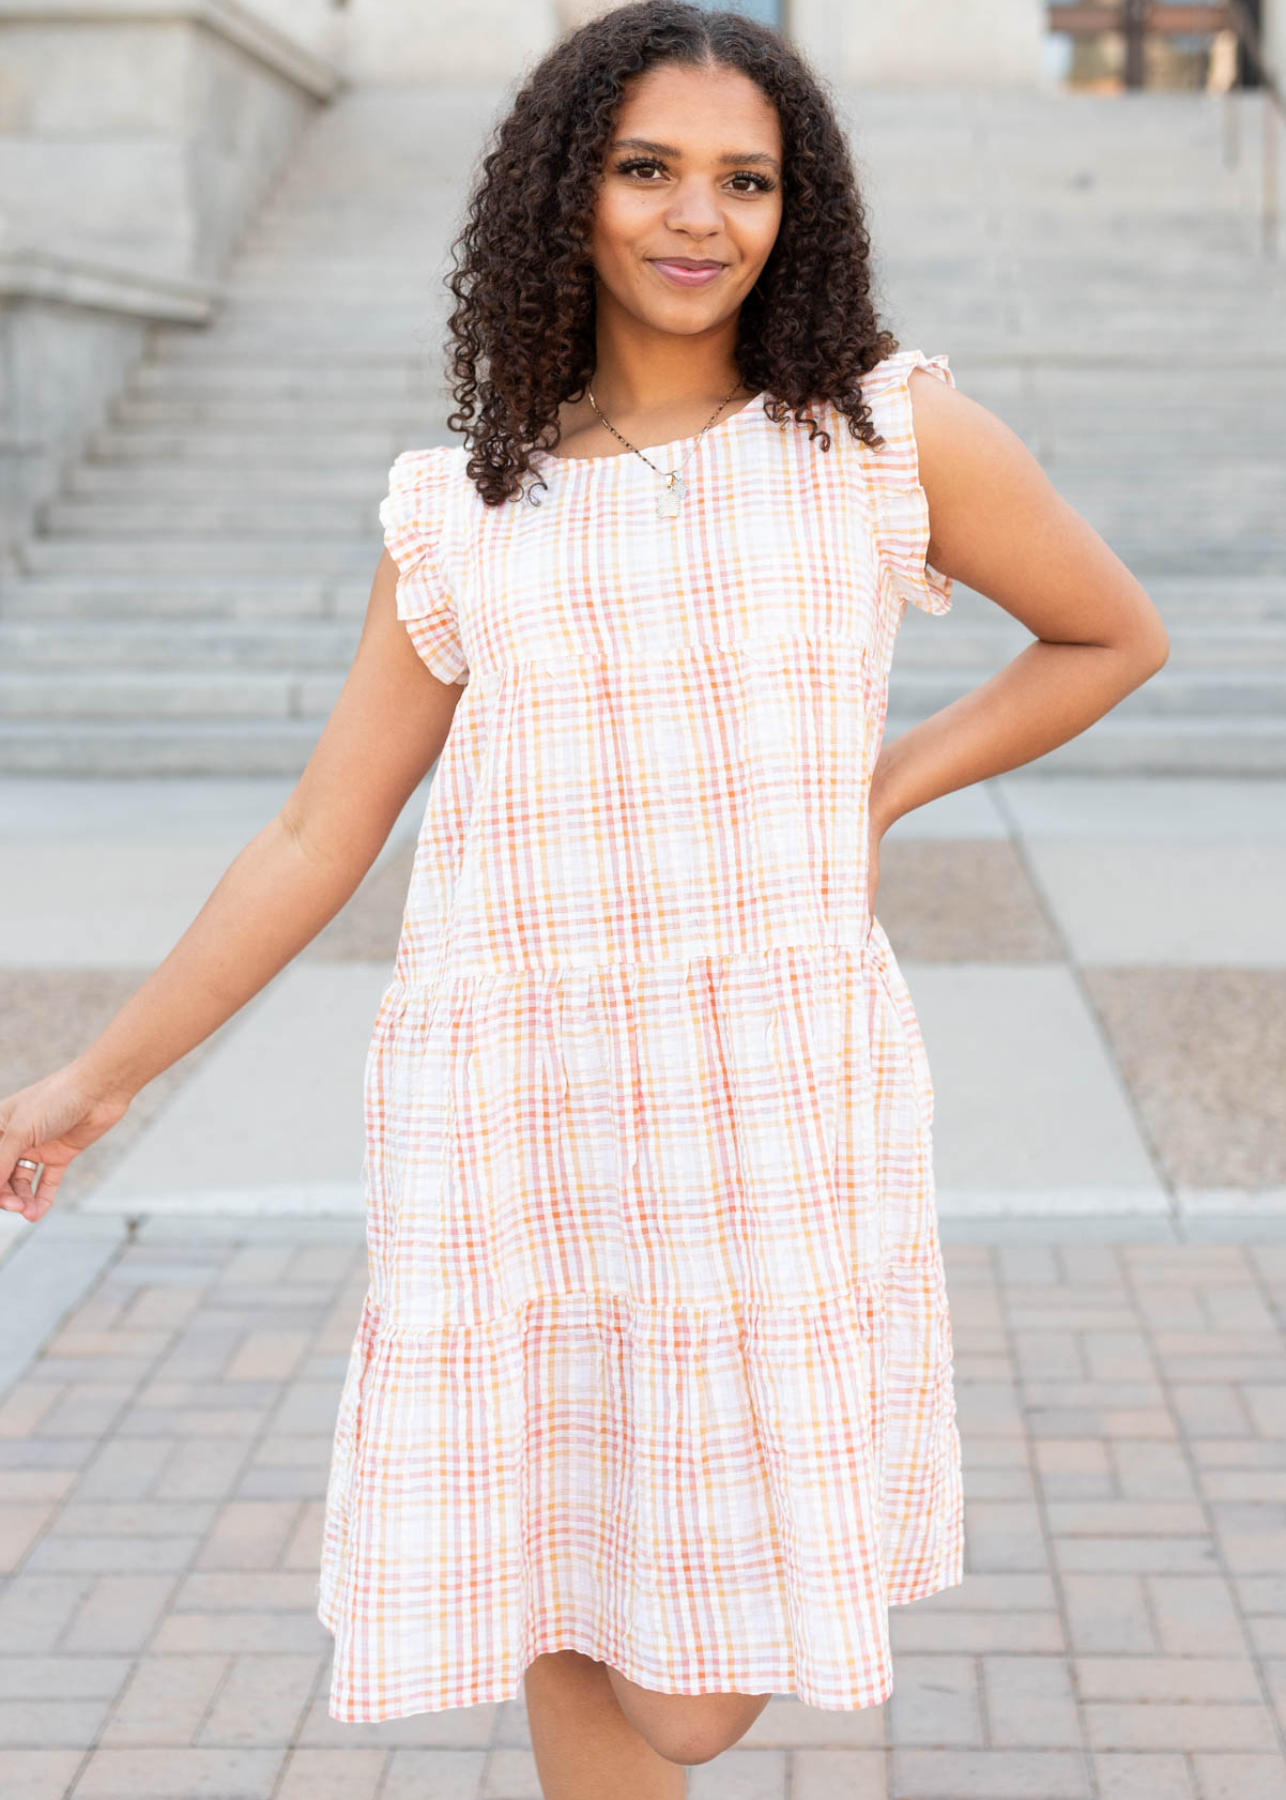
{"x":691,"y":174}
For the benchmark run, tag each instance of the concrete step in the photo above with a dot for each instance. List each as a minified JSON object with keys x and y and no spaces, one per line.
{"x":342,"y":479}
{"x":182,"y":695}
{"x":186,"y":594}
{"x":270,"y":555}
{"x":103,"y":748}
{"x":316,"y":413}
{"x":1150,"y":746}
{"x":350,"y":378}
{"x":115,"y":446}
{"x":1191,"y":691}
{"x":174,"y":516}
{"x":176,"y":646}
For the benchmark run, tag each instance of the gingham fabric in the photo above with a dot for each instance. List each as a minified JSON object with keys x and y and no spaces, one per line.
{"x":655,"y":1362}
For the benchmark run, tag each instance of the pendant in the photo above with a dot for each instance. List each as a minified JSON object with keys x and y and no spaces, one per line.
{"x":667,"y":501}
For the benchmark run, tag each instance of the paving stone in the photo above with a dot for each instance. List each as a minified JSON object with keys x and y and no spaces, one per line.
{"x":1172,"y":1677}
{"x":135,"y":1518}
{"x":275,"y":1591}
{"x":1195,"y":1616}
{"x":166,"y":1700}
{"x":786,"y":1723}
{"x":35,"y":1484}
{"x":1029,"y":1701}
{"x":1152,"y":1471}
{"x":1135,"y":1555}
{"x":1267,"y":1408}
{"x":333,"y":1263}
{"x":202,"y":1468}
{"x":445,"y":1774}
{"x":21,"y":1523}
{"x":162,"y":1774}
{"x":1108,"y":1612}
{"x":826,"y":1774}
{"x":738,"y":1774}
{"x":282,"y":1481}
{"x":50,"y":1723}
{"x":262,"y":1700}
{"x":22,"y":1411}
{"x":258,"y":1265}
{"x":338,"y":1775}
{"x":162,"y":1308}
{"x":1120,"y":1518}
{"x":990,"y":1775}
{"x":1169,"y":1725}
{"x":250,"y":1534}
{"x":456,"y":1727}
{"x":304,"y":1548}
{"x":935,"y":1700}
{"x":1005,"y":1535}
{"x":181,"y":1422}
{"x":119,"y":1613}
{"x":263,"y":1354}
{"x":40,"y":1774}
{"x":34,"y":1609}
{"x":1019,"y":1634}
{"x":66,"y":1554}
{"x":281,"y":1634}
{"x":1143,"y":1775}
{"x":124,"y":1468}
{"x":1232,"y":1776}
{"x":63,"y":1677}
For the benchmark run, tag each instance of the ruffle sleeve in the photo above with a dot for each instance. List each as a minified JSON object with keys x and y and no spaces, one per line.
{"x":414,"y":515}
{"x":900,"y":505}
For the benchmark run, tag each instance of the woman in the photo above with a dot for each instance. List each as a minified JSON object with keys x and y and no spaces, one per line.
{"x":650,"y":1408}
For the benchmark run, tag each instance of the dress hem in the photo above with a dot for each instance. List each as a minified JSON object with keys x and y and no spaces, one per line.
{"x":948,"y":1575}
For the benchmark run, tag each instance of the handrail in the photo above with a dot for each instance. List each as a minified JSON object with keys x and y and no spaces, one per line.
{"x":1243,"y":23}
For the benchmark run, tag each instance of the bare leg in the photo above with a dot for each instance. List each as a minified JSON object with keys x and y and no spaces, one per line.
{"x":585,"y":1747}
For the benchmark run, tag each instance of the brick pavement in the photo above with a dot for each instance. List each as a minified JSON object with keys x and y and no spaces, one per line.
{"x":1120,"y":1635}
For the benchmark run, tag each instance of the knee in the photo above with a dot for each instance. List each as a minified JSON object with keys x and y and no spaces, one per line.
{"x":699,"y":1735}
{"x":688,"y":1748}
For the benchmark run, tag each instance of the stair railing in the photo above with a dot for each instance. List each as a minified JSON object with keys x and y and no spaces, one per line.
{"x":1136,"y":19}
{"x":1242,"y":21}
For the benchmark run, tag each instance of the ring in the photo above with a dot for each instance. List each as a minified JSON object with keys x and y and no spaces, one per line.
{"x":25,"y":1162}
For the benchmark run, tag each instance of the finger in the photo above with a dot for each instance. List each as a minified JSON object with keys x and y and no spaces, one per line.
{"x":26,"y":1188}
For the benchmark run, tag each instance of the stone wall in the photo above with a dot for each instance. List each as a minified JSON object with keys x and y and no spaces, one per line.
{"x":136,"y":137}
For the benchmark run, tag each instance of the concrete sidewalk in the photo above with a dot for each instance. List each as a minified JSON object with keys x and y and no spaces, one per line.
{"x":1120,"y":1633}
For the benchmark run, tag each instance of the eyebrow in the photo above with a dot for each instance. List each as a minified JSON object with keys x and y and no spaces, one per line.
{"x":730,"y":156}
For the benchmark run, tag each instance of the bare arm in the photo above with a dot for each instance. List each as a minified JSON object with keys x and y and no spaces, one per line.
{"x":998,"y":524}
{"x":387,"y":728}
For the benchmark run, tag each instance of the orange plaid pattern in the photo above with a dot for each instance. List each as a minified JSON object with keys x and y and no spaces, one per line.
{"x":655,"y":1361}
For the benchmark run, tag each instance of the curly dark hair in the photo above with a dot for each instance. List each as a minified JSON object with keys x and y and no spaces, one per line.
{"x":523,"y":276}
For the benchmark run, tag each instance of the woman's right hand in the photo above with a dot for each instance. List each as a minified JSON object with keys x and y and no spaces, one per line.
{"x":50,"y":1122}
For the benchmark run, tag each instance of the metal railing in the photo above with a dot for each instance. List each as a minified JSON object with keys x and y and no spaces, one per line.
{"x":1252,"y":47}
{"x":1136,"y":20}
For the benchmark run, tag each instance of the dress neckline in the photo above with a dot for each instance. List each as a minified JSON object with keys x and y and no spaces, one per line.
{"x":752,"y":407}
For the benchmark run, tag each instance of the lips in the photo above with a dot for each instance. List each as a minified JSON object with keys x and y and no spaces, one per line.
{"x":683,"y":272}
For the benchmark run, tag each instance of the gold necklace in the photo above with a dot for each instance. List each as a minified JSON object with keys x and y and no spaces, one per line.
{"x":667,"y":500}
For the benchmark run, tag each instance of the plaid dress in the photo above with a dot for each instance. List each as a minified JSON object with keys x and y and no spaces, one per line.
{"x":655,"y":1362}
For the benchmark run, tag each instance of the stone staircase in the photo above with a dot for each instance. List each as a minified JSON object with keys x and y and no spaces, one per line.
{"x":192,"y":599}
